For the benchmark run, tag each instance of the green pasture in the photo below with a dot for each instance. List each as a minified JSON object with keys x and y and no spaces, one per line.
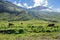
{"x":30,"y":30}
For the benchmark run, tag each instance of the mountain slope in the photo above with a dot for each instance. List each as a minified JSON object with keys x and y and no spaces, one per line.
{"x":9,"y":11}
{"x":45,"y":15}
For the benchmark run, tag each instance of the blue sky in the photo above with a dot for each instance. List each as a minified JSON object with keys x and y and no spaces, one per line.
{"x":54,"y":3}
{"x":33,"y":3}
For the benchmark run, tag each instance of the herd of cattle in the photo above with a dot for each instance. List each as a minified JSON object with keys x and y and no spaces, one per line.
{"x":11,"y":24}
{"x":13,"y":31}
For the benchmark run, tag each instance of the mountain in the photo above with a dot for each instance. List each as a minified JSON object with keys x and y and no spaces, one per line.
{"x":39,"y":8}
{"x":11,"y":12}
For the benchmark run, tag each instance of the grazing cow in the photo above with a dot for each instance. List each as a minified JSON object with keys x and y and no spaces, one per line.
{"x":51,"y":24}
{"x":10,"y":24}
{"x":21,"y":23}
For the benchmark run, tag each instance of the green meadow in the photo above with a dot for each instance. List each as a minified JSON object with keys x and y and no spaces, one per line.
{"x":29,"y":30}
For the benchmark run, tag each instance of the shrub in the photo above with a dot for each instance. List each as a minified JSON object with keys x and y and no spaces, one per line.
{"x":2,"y":31}
{"x":10,"y":31}
{"x":7,"y":31}
{"x":48,"y":30}
{"x":21,"y":31}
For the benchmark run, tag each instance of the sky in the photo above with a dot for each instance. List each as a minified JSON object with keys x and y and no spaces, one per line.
{"x":54,"y":4}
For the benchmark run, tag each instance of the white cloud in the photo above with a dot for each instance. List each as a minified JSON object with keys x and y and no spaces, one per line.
{"x":45,"y":3}
{"x":51,"y":10}
{"x":50,"y":6}
{"x":40,"y":3}
{"x":36,"y":3}
{"x":58,"y":10}
{"x":30,"y":7}
{"x":18,"y":4}
{"x":47,"y":10}
{"x":26,"y":5}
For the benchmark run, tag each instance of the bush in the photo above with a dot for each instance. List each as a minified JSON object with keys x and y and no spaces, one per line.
{"x":2,"y":31}
{"x":21,"y":31}
{"x":10,"y":31}
{"x":37,"y":29}
{"x":7,"y":31}
{"x":48,"y":30}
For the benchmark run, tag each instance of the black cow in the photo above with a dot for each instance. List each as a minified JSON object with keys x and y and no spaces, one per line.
{"x":51,"y":24}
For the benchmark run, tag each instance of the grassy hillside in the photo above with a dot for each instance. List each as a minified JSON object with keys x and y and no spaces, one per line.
{"x":47,"y":16}
{"x":13,"y":17}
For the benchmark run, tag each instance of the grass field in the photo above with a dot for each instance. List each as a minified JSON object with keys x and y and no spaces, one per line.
{"x":29,"y":30}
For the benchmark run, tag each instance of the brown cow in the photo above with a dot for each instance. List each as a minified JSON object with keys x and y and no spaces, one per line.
{"x":10,"y":24}
{"x":21,"y":23}
{"x":51,"y":24}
